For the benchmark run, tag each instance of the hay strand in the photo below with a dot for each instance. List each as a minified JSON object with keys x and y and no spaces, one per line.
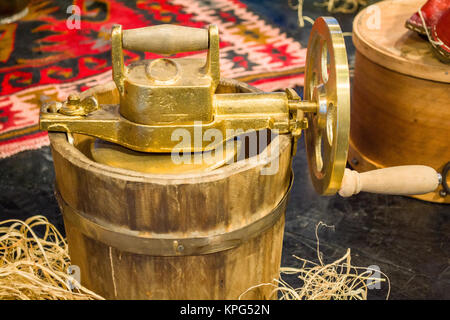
{"x":33,"y":267}
{"x":339,"y":280}
{"x":333,"y":6}
{"x":341,"y":6}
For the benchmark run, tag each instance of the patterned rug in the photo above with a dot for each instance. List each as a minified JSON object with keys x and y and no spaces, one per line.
{"x":41,"y":58}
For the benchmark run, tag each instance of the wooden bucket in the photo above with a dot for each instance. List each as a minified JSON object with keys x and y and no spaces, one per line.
{"x":401,"y":95}
{"x":208,"y":235}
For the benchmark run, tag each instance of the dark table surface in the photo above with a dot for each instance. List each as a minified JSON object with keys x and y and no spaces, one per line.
{"x":406,"y":238}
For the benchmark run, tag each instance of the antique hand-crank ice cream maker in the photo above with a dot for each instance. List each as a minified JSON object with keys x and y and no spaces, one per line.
{"x":142,"y":225}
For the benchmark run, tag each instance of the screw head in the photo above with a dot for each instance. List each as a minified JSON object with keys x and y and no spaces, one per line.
{"x":73,"y":98}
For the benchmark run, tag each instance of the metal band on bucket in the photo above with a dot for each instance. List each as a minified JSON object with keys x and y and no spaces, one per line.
{"x":139,"y":243}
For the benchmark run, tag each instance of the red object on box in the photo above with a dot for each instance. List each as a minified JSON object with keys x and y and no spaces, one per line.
{"x":440,"y":33}
{"x":435,"y":25}
{"x":432,"y":10}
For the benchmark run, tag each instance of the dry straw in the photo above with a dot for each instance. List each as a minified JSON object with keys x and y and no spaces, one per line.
{"x":33,"y":267}
{"x":343,"y":6}
{"x":338,"y":280}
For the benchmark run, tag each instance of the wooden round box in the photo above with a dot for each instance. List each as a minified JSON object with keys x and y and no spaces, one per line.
{"x":401,"y":95}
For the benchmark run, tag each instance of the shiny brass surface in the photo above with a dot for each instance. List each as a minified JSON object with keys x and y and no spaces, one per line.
{"x":327,"y":84}
{"x":159,"y":99}
{"x":166,"y":91}
{"x":117,"y":156}
{"x":107,"y":124}
{"x":74,"y":106}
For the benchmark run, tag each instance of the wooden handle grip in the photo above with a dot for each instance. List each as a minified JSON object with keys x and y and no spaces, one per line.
{"x":165,"y":39}
{"x":402,"y":180}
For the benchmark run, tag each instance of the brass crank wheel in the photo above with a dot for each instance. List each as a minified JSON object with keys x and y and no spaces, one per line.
{"x":327,"y":84}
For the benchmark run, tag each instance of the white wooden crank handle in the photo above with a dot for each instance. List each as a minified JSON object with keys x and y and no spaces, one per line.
{"x":401,"y":180}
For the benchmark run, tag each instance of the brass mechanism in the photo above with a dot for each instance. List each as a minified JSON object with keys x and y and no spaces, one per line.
{"x":159,"y":96}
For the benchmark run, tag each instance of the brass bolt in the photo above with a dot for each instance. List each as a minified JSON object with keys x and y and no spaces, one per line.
{"x":73,"y":97}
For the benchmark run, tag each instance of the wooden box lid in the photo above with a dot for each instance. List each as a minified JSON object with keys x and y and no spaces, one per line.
{"x":379,"y":33}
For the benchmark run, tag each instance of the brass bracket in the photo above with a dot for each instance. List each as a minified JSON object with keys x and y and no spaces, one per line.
{"x":297,"y":109}
{"x":74,"y":106}
{"x":234,"y":114}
